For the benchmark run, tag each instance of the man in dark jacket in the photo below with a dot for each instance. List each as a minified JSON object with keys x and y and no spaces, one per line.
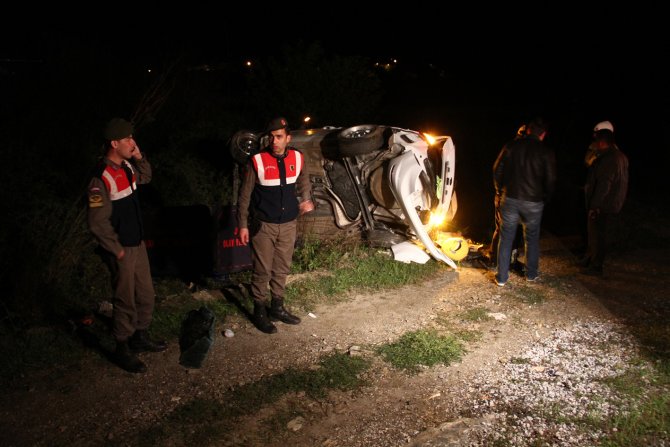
{"x":276,"y":185}
{"x":605,"y":193}
{"x":490,"y":253}
{"x":525,"y":177}
{"x":115,"y":219}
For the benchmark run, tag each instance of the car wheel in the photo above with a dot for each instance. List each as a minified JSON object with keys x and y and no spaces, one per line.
{"x":324,"y":228}
{"x":380,"y":189}
{"x":242,"y":145}
{"x":359,"y":140}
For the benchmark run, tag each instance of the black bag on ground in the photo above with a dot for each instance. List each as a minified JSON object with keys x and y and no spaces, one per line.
{"x":197,"y":336}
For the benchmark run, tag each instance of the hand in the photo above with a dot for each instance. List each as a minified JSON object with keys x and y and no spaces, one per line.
{"x":305,"y":207}
{"x":120,"y":254}
{"x":244,"y":236}
{"x":135,"y":152}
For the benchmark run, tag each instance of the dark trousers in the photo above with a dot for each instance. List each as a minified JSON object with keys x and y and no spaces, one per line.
{"x":271,"y":253}
{"x":530,"y":215}
{"x":495,"y":240}
{"x":597,"y":239}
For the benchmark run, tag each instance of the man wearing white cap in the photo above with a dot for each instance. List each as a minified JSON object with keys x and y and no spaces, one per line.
{"x":604,"y":125}
{"x":592,"y":152}
{"x":605,"y":192}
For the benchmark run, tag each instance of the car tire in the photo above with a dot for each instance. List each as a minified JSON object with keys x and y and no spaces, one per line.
{"x":323,"y":228}
{"x":379,"y":190}
{"x":359,"y":140}
{"x":243,"y":144}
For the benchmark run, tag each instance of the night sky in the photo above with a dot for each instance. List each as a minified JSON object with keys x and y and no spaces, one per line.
{"x":473,"y":77}
{"x":611,"y":61}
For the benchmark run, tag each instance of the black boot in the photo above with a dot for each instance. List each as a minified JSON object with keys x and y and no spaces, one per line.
{"x":279,"y":312}
{"x":126,"y":359}
{"x":260,"y":319}
{"x":141,"y":342}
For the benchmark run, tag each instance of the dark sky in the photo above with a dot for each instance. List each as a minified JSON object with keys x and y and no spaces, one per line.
{"x":621,"y":51}
{"x":603,"y":63}
{"x":478,"y":74}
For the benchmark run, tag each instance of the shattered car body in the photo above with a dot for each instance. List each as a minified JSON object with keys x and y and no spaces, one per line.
{"x":391,"y":183}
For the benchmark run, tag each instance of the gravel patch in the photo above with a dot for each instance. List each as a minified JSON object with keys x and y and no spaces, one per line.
{"x":560,"y":378}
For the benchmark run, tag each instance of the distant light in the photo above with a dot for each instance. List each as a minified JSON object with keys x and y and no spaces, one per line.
{"x":248,"y":63}
{"x":148,"y":70}
{"x":307,"y":119}
{"x":387,"y":66}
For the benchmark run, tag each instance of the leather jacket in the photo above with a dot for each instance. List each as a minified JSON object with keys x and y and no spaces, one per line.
{"x":607,"y":181}
{"x":525,"y":170}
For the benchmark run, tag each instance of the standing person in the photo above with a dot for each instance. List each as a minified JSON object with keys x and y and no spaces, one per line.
{"x":490,"y":254}
{"x":115,"y":219}
{"x":592,"y":152}
{"x":605,"y":193}
{"x":278,"y":190}
{"x":525,"y":176}
{"x":589,"y":157}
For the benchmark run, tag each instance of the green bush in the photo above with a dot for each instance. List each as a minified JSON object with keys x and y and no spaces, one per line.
{"x":184,"y":179}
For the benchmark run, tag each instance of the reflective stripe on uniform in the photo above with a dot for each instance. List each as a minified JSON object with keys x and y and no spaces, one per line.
{"x":117,"y":182}
{"x":267,"y":168}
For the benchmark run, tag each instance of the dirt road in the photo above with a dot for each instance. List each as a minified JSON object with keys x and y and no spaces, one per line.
{"x":445,"y":405}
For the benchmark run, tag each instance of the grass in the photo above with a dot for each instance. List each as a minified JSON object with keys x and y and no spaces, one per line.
{"x":168,"y":317}
{"x":63,"y":346}
{"x":421,"y":348}
{"x":476,"y":314}
{"x":314,"y":254}
{"x":519,"y":361}
{"x":203,"y":420}
{"x":36,"y":349}
{"x":646,"y":391}
{"x":468,"y":336}
{"x":530,"y":295}
{"x":350,"y":268}
{"x":649,"y":421}
{"x":361,"y":269}
{"x":648,"y":425}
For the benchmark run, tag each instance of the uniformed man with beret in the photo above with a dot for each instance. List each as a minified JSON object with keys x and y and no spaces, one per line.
{"x":115,"y":219}
{"x":276,"y":186}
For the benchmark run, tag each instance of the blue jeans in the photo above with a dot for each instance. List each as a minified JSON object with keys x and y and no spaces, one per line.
{"x":530,"y":215}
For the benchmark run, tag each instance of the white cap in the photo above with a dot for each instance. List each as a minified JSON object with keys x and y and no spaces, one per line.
{"x":604,"y":125}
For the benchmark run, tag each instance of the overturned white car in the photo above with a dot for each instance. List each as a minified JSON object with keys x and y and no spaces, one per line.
{"x":391,"y":184}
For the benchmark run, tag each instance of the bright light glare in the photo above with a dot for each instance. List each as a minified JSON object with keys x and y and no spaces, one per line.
{"x":431,"y":139}
{"x":248,"y":63}
{"x":307,"y":119}
{"x":436,"y":219}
